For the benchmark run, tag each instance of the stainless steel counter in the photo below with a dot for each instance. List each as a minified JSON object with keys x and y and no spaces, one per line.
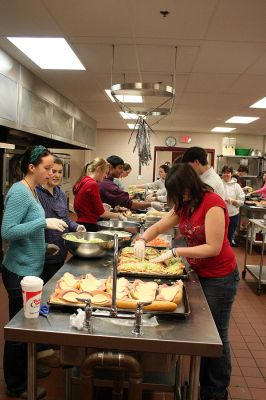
{"x":195,"y":336}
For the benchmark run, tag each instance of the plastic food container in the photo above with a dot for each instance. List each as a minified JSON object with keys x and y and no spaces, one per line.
{"x":242,"y":152}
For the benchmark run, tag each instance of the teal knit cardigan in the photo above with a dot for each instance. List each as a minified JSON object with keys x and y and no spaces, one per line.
{"x":23,"y":227}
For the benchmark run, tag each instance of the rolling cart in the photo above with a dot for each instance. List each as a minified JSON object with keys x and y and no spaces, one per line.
{"x":257,"y":271}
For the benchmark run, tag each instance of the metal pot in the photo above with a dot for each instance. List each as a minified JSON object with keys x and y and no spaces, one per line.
{"x":244,"y":162}
{"x":255,"y":153}
{"x":128,"y":226}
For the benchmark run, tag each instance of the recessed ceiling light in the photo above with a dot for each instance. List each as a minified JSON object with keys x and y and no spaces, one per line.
{"x":126,"y":115}
{"x":222,"y":129}
{"x":48,"y":53}
{"x":129,"y":98}
{"x":241,"y":120}
{"x":132,"y":126}
{"x":259,"y":104}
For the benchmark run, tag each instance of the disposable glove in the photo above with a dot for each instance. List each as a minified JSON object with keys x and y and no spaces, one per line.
{"x":157,"y":206}
{"x":164,"y":256}
{"x":121,"y":217}
{"x":107,"y":207}
{"x":81,"y":228}
{"x":52,"y":249}
{"x":139,"y":249}
{"x":56,"y":224}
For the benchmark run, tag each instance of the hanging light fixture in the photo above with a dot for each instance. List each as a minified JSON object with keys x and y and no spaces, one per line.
{"x":158,"y":100}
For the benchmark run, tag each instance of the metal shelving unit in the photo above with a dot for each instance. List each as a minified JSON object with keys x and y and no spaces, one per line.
{"x":254,"y":164}
{"x":256,"y":270}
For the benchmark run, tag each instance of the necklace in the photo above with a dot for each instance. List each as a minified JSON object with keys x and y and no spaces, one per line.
{"x":33,"y":191}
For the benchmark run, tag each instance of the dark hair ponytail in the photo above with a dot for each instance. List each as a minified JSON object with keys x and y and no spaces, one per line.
{"x":33,"y":155}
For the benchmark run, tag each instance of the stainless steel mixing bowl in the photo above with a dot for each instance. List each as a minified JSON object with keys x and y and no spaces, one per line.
{"x":89,"y":250}
{"x":128,"y":226}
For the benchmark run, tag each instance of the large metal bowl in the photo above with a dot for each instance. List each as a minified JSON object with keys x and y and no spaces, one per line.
{"x":115,"y":225}
{"x":124,"y":238}
{"x":89,"y":250}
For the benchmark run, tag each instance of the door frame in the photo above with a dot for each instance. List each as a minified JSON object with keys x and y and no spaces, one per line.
{"x":211,"y":153}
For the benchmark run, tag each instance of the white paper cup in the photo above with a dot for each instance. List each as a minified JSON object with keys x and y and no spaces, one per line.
{"x":31,"y":292}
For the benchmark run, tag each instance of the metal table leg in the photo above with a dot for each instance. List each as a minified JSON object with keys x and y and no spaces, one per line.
{"x":68,"y":383}
{"x":194,"y":370}
{"x":259,"y":289}
{"x":32,"y":381}
{"x":251,"y":238}
{"x":246,"y":251}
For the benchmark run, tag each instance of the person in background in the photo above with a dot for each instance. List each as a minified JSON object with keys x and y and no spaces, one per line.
{"x":159,"y":184}
{"x":262,"y":190}
{"x":197,"y":157}
{"x":126,"y":171}
{"x":203,"y":219}
{"x":87,"y":202}
{"x":156,"y":190}
{"x":54,"y":202}
{"x":113,"y":195}
{"x":23,"y":227}
{"x":240,"y":176}
{"x":234,"y":198}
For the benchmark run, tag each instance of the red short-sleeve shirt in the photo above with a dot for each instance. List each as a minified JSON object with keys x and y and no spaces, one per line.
{"x":87,"y":203}
{"x":193,"y":228}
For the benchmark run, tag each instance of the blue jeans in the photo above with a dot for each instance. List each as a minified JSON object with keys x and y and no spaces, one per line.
{"x":232,"y":227}
{"x":215,"y":373}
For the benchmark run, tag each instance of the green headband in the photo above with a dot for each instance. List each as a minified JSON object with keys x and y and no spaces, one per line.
{"x":37,"y":152}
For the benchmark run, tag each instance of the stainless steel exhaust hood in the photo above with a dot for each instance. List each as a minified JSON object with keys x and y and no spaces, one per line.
{"x":31,"y":112}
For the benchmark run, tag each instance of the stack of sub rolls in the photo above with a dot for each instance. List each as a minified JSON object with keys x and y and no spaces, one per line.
{"x":162,"y":297}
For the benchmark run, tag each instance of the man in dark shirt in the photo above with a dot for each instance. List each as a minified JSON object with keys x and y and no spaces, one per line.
{"x":113,"y":195}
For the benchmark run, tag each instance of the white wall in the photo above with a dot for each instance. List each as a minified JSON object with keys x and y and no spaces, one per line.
{"x":112,"y":142}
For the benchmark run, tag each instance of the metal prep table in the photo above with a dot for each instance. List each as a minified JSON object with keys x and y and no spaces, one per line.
{"x":257,"y":271}
{"x":195,"y":335}
{"x":250,"y":212}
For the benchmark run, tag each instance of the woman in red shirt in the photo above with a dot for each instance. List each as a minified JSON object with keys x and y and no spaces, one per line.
{"x":203,"y":219}
{"x":87,"y":203}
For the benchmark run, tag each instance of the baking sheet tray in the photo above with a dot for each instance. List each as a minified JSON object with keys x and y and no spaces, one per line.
{"x":157,"y":276}
{"x":182,"y":310}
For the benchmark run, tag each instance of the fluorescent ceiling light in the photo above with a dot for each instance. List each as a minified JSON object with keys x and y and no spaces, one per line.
{"x":48,"y":53}
{"x":132,"y":126}
{"x":126,"y":115}
{"x":124,"y":98}
{"x":259,"y":104}
{"x":222,"y":129}
{"x":108,"y":92}
{"x":241,"y":120}
{"x":129,"y":99}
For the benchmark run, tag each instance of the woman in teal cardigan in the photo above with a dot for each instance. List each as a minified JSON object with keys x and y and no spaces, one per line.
{"x":23,"y":227}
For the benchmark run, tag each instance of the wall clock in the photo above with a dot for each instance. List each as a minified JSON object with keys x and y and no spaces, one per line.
{"x":170,"y":141}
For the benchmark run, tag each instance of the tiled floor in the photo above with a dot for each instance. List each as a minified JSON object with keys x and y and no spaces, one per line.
{"x":247,"y":335}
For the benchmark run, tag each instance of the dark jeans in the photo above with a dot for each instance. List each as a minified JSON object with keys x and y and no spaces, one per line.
{"x":215,"y":373}
{"x":232,"y":227}
{"x":49,"y":270}
{"x":15,"y":353}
